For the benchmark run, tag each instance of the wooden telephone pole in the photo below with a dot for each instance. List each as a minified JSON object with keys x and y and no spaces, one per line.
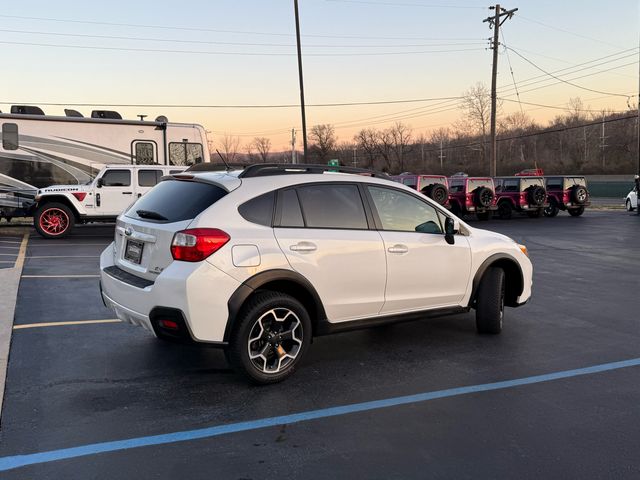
{"x":495,"y":22}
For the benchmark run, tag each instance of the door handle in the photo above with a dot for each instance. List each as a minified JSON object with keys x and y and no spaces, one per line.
{"x":398,"y":248}
{"x":303,"y":247}
{"x":127,"y":193}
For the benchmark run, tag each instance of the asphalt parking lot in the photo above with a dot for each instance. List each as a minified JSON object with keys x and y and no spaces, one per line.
{"x":83,"y":384}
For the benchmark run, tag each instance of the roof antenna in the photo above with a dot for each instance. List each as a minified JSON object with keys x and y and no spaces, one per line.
{"x":223,"y":160}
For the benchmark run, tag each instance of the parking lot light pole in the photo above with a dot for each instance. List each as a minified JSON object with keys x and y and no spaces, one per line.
{"x":304,"y":119}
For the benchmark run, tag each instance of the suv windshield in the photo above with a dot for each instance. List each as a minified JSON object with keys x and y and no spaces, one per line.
{"x":175,"y":200}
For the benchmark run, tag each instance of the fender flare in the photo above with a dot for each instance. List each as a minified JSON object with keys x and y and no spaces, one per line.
{"x":61,"y":197}
{"x":249,"y":286}
{"x":513,"y":291}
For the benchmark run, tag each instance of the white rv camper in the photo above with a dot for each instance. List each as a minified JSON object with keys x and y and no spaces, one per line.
{"x":40,"y":150}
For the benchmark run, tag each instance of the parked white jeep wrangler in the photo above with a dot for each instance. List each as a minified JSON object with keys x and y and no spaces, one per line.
{"x":59,"y":207}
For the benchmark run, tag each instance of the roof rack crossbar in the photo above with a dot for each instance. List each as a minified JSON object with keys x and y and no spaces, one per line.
{"x":267,"y":169}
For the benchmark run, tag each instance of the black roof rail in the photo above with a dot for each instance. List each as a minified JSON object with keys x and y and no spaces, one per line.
{"x":267,"y":169}
{"x":214,"y":167}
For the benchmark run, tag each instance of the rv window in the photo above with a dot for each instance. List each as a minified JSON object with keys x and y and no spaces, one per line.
{"x":10,"y":136}
{"x":185,"y":153}
{"x":148,"y":178}
{"x":144,"y":153}
{"x":116,"y":178}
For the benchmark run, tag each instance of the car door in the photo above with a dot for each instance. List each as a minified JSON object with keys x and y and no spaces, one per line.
{"x":423,"y":270}
{"x":324,"y":232}
{"x":114,"y":192}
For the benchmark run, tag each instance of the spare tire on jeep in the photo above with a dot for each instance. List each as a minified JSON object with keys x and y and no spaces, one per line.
{"x":536,"y":195}
{"x":578,"y":194}
{"x":483,"y":196}
{"x":437,"y":192}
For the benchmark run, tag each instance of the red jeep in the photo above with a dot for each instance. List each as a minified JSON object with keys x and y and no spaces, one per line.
{"x":568,"y":193}
{"x":435,"y":187}
{"x":522,"y":193}
{"x":472,"y":195}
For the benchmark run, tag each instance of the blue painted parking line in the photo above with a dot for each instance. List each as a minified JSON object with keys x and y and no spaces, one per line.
{"x":17,"y":461}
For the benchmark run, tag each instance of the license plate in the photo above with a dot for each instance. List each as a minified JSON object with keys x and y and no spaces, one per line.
{"x":133,"y":251}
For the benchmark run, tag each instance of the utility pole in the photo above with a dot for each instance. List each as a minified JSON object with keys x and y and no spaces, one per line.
{"x":602,"y":144}
{"x":355,"y":161}
{"x":304,"y":118}
{"x":441,"y":156}
{"x":495,"y":22}
{"x":293,"y":145}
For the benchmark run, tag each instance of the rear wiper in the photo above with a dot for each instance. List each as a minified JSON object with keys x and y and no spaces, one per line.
{"x":151,"y":215}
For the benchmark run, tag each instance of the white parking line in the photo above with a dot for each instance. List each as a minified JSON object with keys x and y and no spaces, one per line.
{"x":12,"y":243}
{"x":64,"y":256}
{"x":31,"y":245}
{"x":62,"y":324}
{"x":60,"y":276}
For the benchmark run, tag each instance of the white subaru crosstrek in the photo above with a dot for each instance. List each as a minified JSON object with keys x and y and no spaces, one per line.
{"x":258,"y":261}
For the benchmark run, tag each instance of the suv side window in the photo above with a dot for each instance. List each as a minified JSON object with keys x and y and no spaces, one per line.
{"x":149,"y":178}
{"x":332,"y":206}
{"x":258,"y":210}
{"x":511,"y":185}
{"x":289,"y":209}
{"x":554,"y":183}
{"x":116,"y":178}
{"x":399,"y":211}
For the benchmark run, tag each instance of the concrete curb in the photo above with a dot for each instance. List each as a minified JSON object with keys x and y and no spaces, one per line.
{"x":9,"y":282}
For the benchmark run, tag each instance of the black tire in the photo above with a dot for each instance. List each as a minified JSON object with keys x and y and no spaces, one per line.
{"x":536,"y":195}
{"x":490,"y":301}
{"x":256,"y":311}
{"x":46,"y":216}
{"x":483,"y":216}
{"x":483,"y":197}
{"x":579,"y":194}
{"x":439,"y":193}
{"x":552,"y":209}
{"x":505,"y":210}
{"x":537,"y":213}
{"x":576,"y":212}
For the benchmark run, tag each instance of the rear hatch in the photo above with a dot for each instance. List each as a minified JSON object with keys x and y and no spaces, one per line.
{"x":145,"y":231}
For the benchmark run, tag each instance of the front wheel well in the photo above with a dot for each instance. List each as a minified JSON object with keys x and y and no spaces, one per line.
{"x":514,"y":281}
{"x":59,"y":199}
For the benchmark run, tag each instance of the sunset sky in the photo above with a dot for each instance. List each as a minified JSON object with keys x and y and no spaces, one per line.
{"x":242,"y":52}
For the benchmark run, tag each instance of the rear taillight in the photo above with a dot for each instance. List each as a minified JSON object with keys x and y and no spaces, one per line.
{"x":196,"y":244}
{"x":565,"y":197}
{"x":469,"y":199}
{"x":523,"y":198}
{"x":79,"y":195}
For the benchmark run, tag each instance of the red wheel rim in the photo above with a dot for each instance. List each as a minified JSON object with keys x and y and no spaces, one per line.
{"x":54,"y":221}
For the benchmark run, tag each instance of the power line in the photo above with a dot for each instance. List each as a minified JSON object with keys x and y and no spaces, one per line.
{"x":282,"y":105}
{"x":554,"y":106}
{"x":403,"y":4}
{"x":196,"y":29}
{"x":515,"y":85}
{"x":568,"y":31}
{"x":269,"y":54}
{"x":560,"y":79}
{"x":211,"y":42}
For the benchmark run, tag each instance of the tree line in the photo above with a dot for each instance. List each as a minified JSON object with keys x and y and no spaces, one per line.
{"x":579,"y":140}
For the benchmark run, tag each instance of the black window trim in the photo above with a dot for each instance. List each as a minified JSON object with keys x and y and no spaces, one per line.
{"x":16,"y":133}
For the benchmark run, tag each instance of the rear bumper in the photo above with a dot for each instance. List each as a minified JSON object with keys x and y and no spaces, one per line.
{"x":197,"y":291}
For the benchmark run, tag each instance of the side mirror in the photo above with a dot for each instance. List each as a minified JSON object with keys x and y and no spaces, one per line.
{"x":99,"y":183}
{"x":449,"y":230}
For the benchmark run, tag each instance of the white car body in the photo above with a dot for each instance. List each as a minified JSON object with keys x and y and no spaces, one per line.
{"x":359,"y":275}
{"x":631,"y":200}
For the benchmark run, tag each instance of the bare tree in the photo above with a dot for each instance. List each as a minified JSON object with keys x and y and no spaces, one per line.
{"x":367,"y":142}
{"x":401,"y":139}
{"x":385,"y":148}
{"x":476,"y":103}
{"x":230,"y":146}
{"x":516,"y":122}
{"x":324,"y":142}
{"x":263,"y":146}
